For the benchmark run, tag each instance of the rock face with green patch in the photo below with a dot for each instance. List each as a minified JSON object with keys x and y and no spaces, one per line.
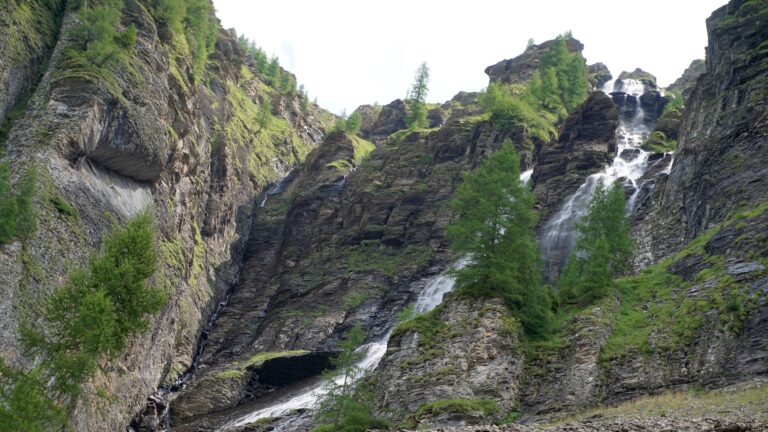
{"x":28,"y":30}
{"x":104,"y":148}
{"x":721,"y":153}
{"x":471,"y":352}
{"x":521,"y":68}
{"x":586,"y":143}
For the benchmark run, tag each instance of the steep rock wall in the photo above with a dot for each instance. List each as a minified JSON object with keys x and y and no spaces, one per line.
{"x":188,"y":147}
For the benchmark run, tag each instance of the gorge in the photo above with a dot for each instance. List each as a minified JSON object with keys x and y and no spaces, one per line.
{"x":279,"y":230}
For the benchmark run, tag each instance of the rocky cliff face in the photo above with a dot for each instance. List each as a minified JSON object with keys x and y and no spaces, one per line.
{"x":466,"y":349}
{"x":587,"y":142}
{"x":338,"y":248}
{"x":720,"y":159}
{"x":695,"y":319}
{"x":188,"y":147}
{"x":28,"y":31}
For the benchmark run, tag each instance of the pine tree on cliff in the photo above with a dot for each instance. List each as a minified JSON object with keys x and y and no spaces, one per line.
{"x":417,"y":97}
{"x":494,"y":225}
{"x":603,"y":248}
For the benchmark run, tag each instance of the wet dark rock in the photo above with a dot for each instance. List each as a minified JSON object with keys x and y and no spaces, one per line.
{"x":598,"y":74}
{"x":586,"y":143}
{"x":629,"y":154}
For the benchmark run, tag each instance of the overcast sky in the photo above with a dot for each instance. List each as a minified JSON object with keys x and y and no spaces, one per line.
{"x":348,"y":53}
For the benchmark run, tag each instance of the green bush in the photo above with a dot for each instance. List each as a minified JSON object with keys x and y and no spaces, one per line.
{"x":195,"y":22}
{"x":513,"y":107}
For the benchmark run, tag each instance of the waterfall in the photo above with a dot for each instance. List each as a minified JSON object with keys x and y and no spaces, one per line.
{"x":430,"y":297}
{"x":558,"y":236}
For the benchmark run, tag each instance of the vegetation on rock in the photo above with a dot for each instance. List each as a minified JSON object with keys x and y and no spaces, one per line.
{"x":603,"y":248}
{"x":347,"y":406}
{"x":417,"y":98}
{"x":17,"y":218}
{"x":87,"y":320}
{"x":494,"y":226}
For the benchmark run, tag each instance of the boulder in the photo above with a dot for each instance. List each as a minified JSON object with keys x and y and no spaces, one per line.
{"x":368,"y":116}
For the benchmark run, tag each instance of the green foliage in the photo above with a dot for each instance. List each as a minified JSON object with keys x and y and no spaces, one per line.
{"x":676,"y":101}
{"x":17,"y":218}
{"x":101,"y":45}
{"x":513,"y":107}
{"x":89,"y":318}
{"x":265,"y":114}
{"x":63,"y":207}
{"x":417,"y":99}
{"x":353,"y":123}
{"x":457,"y":406}
{"x":560,"y":84}
{"x":24,"y":404}
{"x":603,"y":248}
{"x":194,"y":24}
{"x":659,"y":143}
{"x":347,"y":406}
{"x":494,"y":225}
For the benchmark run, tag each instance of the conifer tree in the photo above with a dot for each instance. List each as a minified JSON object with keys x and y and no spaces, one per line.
{"x":494,"y":226}
{"x":603,"y":248}
{"x":417,"y":99}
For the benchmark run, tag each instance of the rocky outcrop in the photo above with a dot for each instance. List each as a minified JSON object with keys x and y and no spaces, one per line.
{"x":521,"y":68}
{"x":586,"y":143}
{"x":158,"y":137}
{"x":471,"y":353}
{"x":639,"y":75}
{"x":598,"y":74}
{"x":719,"y":162}
{"x":368,"y":115}
{"x":390,"y":120}
{"x":687,"y":81}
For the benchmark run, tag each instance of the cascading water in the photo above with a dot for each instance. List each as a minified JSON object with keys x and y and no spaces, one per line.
{"x":558,"y":236}
{"x":430,"y":297}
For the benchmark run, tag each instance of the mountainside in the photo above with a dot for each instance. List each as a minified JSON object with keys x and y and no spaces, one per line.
{"x":281,"y":231}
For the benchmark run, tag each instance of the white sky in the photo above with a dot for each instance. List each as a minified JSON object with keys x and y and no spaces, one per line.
{"x":348,"y":53}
